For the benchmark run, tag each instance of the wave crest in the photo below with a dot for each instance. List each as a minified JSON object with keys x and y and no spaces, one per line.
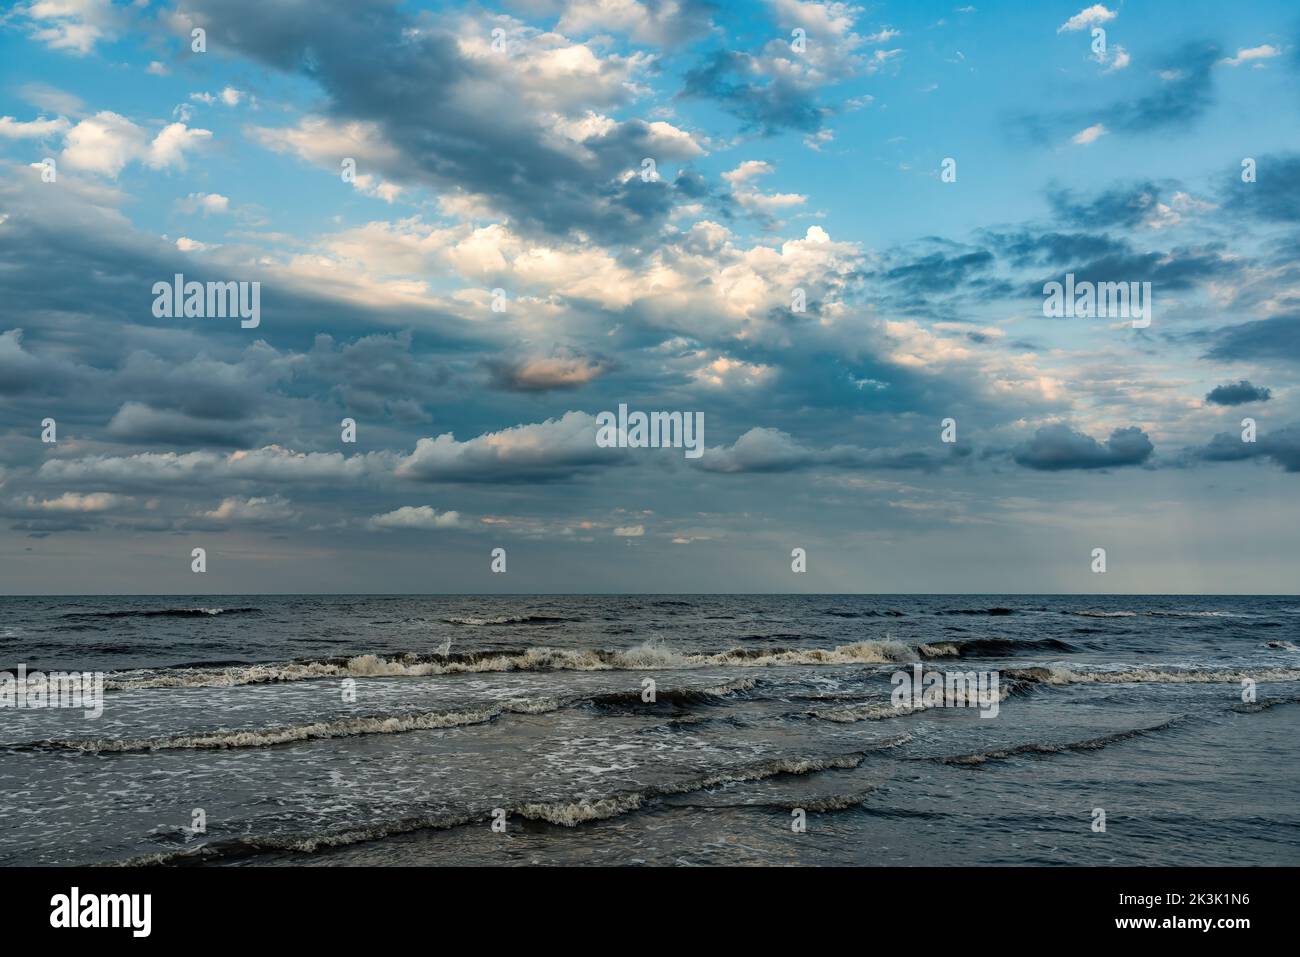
{"x":161,"y":613}
{"x":641,"y":658}
{"x":566,"y":812}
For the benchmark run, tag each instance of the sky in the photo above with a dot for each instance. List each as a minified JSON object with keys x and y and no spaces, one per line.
{"x":824,"y":229}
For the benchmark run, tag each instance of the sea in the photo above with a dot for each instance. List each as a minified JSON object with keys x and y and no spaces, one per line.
{"x":654,"y":730}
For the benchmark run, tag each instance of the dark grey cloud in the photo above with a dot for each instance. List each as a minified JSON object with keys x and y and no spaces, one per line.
{"x":850,"y":394}
{"x":1238,"y":393}
{"x":939,"y":271}
{"x":137,"y":423}
{"x":928,"y":279}
{"x":1058,"y":447}
{"x":1276,"y":338}
{"x":203,"y":387}
{"x":932,"y":277}
{"x":75,"y":264}
{"x":1115,"y":208}
{"x":1227,"y":447}
{"x":1178,"y":268}
{"x":1274,"y":196}
{"x":767,"y":107}
{"x":22,"y":371}
{"x":381,"y":374}
{"x":1027,"y":248}
{"x":1281,"y":447}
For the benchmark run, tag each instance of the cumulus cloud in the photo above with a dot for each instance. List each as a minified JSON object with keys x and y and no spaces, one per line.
{"x":206,"y":203}
{"x":1119,"y":59}
{"x":1238,"y":393}
{"x":556,"y":448}
{"x":660,"y":22}
{"x":776,"y":88}
{"x":1265,"y":51}
{"x":106,"y":142}
{"x":78,"y":502}
{"x":771,"y":450}
{"x":523,"y":171}
{"x":74,"y":26}
{"x":13,"y":129}
{"x":751,"y":198}
{"x":1281,"y":446}
{"x":415,"y":517}
{"x":1276,"y":338}
{"x":137,"y":422}
{"x":702,"y":280}
{"x":494,"y":135}
{"x":1058,"y":447}
{"x":1086,"y":18}
{"x":22,"y":371}
{"x":271,"y":464}
{"x":250,"y":510}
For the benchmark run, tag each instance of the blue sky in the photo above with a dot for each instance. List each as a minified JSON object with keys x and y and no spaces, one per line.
{"x":780,"y":166}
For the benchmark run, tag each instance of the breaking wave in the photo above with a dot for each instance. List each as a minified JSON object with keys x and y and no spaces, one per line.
{"x":678,"y":697}
{"x":382,"y":724}
{"x":565,"y":813}
{"x":317,"y":730}
{"x":991,"y":647}
{"x":1060,"y":675}
{"x":643,"y":657}
{"x":1254,"y":707}
{"x":1034,"y":747}
{"x":161,"y":613}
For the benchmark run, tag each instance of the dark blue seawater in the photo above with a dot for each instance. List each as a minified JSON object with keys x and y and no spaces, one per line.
{"x":391,"y":730}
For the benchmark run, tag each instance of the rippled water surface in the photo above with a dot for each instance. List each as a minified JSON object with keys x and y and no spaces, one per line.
{"x":766,"y":709}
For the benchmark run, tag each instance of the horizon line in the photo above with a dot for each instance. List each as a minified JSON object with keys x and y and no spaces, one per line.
{"x":720,"y":594}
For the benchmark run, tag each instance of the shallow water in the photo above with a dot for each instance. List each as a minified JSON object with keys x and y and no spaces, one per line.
{"x":764,"y":706}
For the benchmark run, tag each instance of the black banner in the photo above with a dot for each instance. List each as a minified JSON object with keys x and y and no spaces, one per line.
{"x":336,"y":905}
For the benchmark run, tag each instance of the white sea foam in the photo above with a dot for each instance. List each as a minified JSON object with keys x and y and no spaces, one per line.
{"x":1061,"y":675}
{"x":343,"y":727}
{"x":351,"y":727}
{"x":566,"y":812}
{"x":648,"y":656}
